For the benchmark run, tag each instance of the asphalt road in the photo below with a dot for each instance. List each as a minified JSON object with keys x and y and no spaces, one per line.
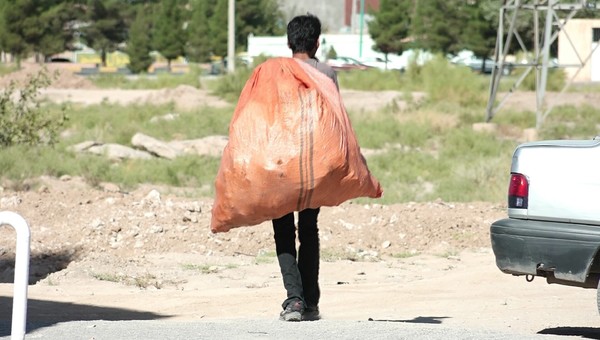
{"x":274,"y":329}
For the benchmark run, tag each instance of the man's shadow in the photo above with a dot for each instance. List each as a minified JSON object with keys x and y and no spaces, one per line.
{"x":418,"y":319}
{"x":582,"y":332}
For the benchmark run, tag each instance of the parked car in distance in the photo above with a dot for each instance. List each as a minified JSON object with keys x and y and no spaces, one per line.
{"x":381,"y":64}
{"x":553,"y":225}
{"x":477,"y":64}
{"x":346,"y":63}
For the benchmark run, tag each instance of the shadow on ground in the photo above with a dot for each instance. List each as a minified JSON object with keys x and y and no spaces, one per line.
{"x":418,"y":319}
{"x":583,"y":332}
{"x":42,"y":313}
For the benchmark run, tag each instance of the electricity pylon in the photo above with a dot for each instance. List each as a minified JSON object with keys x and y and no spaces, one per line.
{"x":557,"y":14}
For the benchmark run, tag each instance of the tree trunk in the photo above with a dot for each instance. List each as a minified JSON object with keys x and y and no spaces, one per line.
{"x":386,"y":61}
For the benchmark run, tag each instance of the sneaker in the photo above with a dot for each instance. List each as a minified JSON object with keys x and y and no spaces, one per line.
{"x":311,"y":313}
{"x":293,"y":311}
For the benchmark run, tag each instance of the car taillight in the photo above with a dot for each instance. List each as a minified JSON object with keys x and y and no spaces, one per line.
{"x":518,"y":191}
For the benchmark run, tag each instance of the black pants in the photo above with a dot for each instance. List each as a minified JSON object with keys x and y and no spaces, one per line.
{"x":299,"y":270}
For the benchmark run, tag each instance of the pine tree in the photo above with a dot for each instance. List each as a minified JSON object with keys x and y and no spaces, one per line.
{"x":479,"y":32}
{"x":258,"y":17}
{"x":391,"y":26}
{"x":3,"y":27}
{"x":105,"y":28}
{"x":200,"y":44}
{"x":437,"y":25}
{"x":169,"y":34}
{"x":57,"y":33}
{"x":139,"y":44}
{"x":217,"y":26}
{"x":17,"y":24}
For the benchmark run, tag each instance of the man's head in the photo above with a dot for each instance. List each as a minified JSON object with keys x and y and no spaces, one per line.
{"x":303,"y":34}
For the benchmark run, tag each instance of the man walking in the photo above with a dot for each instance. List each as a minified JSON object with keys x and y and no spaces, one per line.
{"x":300,"y":269}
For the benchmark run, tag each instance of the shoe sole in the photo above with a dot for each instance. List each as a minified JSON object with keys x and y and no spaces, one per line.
{"x":293,"y":316}
{"x":311,"y":316}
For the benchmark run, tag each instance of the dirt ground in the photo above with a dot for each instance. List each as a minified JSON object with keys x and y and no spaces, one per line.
{"x":104,"y":253}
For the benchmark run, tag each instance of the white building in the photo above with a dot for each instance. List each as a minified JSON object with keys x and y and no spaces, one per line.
{"x":347,"y":45}
{"x":577,"y":43}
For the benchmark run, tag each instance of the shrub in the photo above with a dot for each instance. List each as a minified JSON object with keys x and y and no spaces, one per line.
{"x":231,"y":85}
{"x":23,"y":120}
{"x":371,"y":80}
{"x":446,"y":83}
{"x":556,"y":80}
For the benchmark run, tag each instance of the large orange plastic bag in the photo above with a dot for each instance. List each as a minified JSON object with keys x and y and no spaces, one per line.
{"x":291,"y":147}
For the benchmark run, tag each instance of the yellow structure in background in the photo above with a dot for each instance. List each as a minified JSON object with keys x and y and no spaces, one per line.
{"x":117,"y":60}
{"x":84,"y":58}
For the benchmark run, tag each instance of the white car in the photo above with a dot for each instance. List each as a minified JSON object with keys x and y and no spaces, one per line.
{"x":382,"y":65}
{"x":346,"y":63}
{"x":468,"y":58}
{"x":553,"y":225}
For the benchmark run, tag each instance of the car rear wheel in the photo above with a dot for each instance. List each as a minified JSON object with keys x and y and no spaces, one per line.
{"x":598,"y":296}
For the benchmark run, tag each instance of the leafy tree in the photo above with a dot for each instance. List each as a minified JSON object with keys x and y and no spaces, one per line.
{"x":3,"y":32}
{"x":258,"y":17}
{"x":43,"y":27}
{"x":437,"y":25}
{"x":217,"y":27}
{"x":57,"y":22}
{"x":208,"y":28}
{"x":104,"y":29}
{"x":169,"y":35}
{"x":200,"y":43}
{"x":139,"y":44}
{"x":479,"y":32}
{"x":391,"y":26}
{"x":17,"y":27}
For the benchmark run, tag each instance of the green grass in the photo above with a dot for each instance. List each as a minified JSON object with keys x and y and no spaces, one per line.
{"x":206,"y":268}
{"x":230,"y":86}
{"x":106,"y":277}
{"x":405,"y":255}
{"x":7,"y":68}
{"x":430,"y":150}
{"x":142,"y":281}
{"x":265,"y":257}
{"x":202,"y":268}
{"x":328,"y":255}
{"x":112,"y":123}
{"x":569,"y":122}
{"x":378,"y":129}
{"x":117,"y":124}
{"x":453,"y":163}
{"x":555,"y":82}
{"x":372,"y":79}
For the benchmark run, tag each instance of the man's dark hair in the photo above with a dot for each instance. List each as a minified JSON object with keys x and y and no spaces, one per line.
{"x":303,"y":33}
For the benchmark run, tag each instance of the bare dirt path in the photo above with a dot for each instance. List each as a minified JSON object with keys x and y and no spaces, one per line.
{"x":149,"y":255}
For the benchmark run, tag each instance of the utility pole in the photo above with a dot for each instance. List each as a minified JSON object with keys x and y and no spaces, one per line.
{"x":231,"y":37}
{"x":362,"y":20}
{"x":353,"y":18}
